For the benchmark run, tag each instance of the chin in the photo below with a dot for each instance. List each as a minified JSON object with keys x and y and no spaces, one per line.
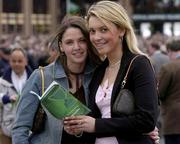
{"x":101,"y":52}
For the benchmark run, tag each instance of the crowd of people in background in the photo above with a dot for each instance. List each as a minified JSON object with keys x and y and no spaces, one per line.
{"x":38,"y":48}
{"x":19,"y":57}
{"x":41,"y":50}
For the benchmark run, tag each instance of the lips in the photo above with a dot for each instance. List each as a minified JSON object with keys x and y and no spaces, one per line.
{"x":99,"y":45}
{"x":78,"y":54}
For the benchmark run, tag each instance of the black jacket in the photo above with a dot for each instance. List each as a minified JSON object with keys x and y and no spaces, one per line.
{"x":141,"y":81}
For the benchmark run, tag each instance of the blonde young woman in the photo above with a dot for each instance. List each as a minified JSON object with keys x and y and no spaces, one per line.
{"x":111,"y":33}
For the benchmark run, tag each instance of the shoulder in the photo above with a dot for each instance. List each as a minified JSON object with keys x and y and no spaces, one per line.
{"x":171,"y":66}
{"x":136,"y":61}
{"x":34,"y":76}
{"x":141,"y":60}
{"x":7,"y":73}
{"x":48,"y":69}
{"x":142,"y":67}
{"x":5,"y":83}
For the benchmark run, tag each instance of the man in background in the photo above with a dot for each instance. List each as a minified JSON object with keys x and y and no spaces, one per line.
{"x":14,"y":78}
{"x":7,"y":110}
{"x":169,"y":90}
{"x":19,"y":71}
{"x":158,"y":58}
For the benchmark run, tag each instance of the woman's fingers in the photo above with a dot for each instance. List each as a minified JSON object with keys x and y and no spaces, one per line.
{"x":80,"y":123}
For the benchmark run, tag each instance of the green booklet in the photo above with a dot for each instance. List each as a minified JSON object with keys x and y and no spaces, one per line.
{"x":60,"y":102}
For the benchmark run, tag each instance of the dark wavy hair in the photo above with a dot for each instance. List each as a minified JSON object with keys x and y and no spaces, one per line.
{"x":80,"y":23}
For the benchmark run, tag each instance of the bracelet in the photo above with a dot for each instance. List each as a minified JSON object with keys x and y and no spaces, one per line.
{"x":79,"y":135}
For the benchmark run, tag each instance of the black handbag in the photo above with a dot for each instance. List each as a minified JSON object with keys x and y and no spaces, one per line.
{"x":124,"y":102}
{"x":40,"y":116}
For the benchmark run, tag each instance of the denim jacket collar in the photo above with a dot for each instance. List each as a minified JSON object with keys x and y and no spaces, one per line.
{"x":58,"y":70}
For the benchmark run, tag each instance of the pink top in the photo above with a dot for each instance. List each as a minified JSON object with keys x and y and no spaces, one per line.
{"x":103,"y":99}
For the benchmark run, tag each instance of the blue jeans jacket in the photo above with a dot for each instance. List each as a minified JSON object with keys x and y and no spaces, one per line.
{"x":28,"y":104}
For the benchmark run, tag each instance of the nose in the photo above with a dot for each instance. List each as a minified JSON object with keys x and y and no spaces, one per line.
{"x":76,"y":46}
{"x":96,"y":36}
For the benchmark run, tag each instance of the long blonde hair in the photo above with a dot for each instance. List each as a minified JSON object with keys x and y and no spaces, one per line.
{"x":115,"y":13}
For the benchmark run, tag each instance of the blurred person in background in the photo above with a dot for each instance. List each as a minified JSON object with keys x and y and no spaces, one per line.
{"x":53,"y":51}
{"x":169,"y":90}
{"x":4,"y":59}
{"x":51,"y":54}
{"x":8,"y":97}
{"x":14,"y":79}
{"x":19,"y":71}
{"x":158,"y":58}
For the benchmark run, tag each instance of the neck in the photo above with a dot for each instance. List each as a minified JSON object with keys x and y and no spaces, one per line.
{"x":114,"y":57}
{"x":114,"y":64}
{"x":76,"y":70}
{"x":114,"y":61}
{"x":19,"y":74}
{"x":76,"y":73}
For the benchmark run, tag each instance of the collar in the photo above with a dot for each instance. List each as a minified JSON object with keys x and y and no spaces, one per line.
{"x":58,"y":70}
{"x":24,"y":75}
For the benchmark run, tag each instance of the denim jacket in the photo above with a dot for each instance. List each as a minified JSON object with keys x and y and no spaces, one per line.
{"x":28,"y":104}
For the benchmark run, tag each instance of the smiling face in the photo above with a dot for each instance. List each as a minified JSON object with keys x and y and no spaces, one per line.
{"x":104,"y":36}
{"x":74,"y":45}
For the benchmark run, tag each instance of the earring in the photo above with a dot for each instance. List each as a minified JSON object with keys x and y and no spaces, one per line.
{"x":121,"y":38}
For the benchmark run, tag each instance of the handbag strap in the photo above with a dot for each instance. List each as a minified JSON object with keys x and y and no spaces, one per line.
{"x":125,"y":78}
{"x":42,"y":79}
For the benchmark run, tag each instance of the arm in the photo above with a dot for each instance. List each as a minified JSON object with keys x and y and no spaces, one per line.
{"x":26,"y":110}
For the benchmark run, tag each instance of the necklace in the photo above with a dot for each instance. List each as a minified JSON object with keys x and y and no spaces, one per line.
{"x":114,"y":64}
{"x":78,"y":78}
{"x":75,"y":73}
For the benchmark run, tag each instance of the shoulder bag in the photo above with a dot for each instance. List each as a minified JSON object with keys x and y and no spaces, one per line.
{"x":39,"y":118}
{"x":124,"y":103}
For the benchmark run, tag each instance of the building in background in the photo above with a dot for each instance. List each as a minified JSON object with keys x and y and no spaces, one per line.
{"x":151,"y":16}
{"x":42,"y":16}
{"x":28,"y":16}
